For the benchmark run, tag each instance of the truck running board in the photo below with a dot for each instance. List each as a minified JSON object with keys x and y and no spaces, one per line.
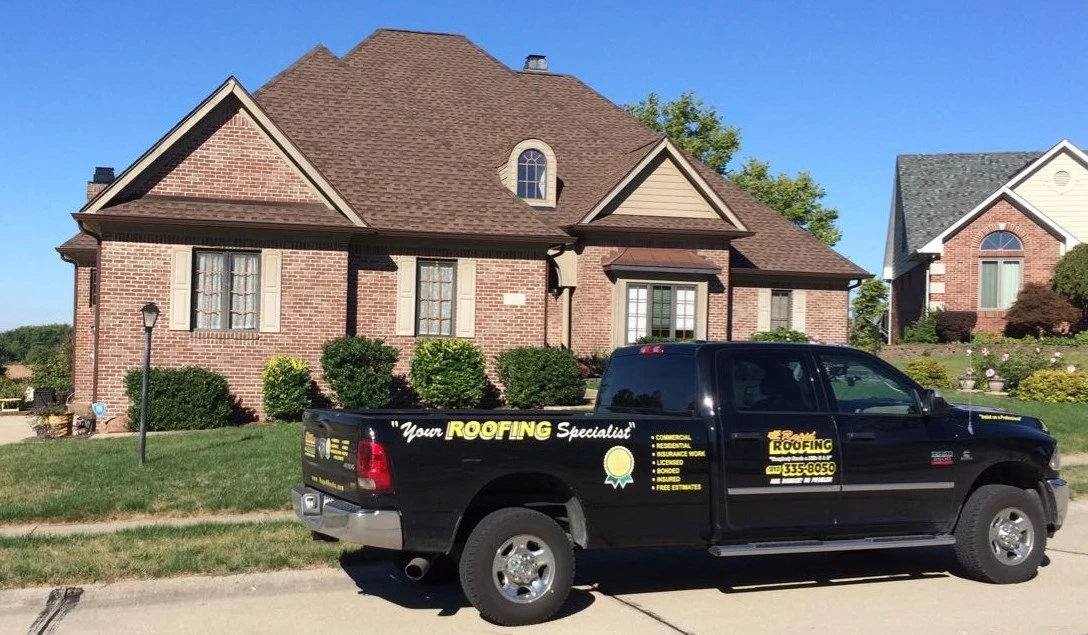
{"x":823,"y":546}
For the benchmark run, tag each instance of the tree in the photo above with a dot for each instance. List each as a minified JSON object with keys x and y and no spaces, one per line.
{"x":1071,"y":276}
{"x":698,"y":129}
{"x":693,"y":126}
{"x":1038,"y":311}
{"x":869,"y":305}
{"x":31,"y":344}
{"x":795,"y":197}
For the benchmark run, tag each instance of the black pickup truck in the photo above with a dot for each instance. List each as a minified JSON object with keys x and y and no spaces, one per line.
{"x":743,"y":448}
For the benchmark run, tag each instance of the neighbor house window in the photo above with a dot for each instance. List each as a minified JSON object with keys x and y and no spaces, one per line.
{"x":93,"y":283}
{"x":1001,"y":241}
{"x":532,"y":174}
{"x":225,"y":290}
{"x":999,"y":282}
{"x":437,"y":284}
{"x":660,"y":310}
{"x":781,"y":307}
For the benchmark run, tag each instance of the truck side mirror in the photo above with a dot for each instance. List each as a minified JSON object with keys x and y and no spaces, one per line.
{"x":934,"y":404}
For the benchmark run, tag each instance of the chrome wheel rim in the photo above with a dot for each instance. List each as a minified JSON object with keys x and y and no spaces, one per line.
{"x":523,"y":569}
{"x":1012,"y":536}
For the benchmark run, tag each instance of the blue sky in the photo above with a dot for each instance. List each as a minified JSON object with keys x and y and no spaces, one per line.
{"x":836,"y":88}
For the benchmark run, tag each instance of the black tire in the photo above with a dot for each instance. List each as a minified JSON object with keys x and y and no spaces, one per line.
{"x":983,"y":557}
{"x":481,"y":583}
{"x":443,"y":569}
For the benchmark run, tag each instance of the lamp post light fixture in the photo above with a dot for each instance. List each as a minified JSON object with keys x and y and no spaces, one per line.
{"x":150,"y":314}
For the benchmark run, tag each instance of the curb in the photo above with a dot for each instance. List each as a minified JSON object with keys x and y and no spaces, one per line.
{"x":77,"y":529}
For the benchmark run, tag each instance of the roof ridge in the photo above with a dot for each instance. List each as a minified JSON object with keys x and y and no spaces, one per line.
{"x":420,"y":32}
{"x":968,"y":154}
{"x":313,"y":52}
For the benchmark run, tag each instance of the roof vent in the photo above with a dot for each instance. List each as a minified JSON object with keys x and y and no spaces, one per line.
{"x":1062,"y":178}
{"x":536,"y":63}
{"x":104,"y":176}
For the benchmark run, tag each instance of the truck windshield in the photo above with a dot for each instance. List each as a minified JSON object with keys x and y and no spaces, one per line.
{"x":649,"y":384}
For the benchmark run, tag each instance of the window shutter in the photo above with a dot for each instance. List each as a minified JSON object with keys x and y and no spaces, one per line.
{"x":181,"y":287}
{"x":797,"y":319}
{"x":406,"y":295}
{"x":271,"y":275}
{"x":763,"y":310}
{"x":466,"y":297}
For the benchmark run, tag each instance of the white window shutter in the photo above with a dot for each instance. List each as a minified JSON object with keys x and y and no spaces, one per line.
{"x":797,"y":304}
{"x":181,"y":287}
{"x":406,"y":295}
{"x":466,"y":297}
{"x":271,"y":276}
{"x":763,"y":310}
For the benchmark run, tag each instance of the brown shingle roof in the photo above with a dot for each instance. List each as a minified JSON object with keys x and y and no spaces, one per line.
{"x":666,"y":223}
{"x":80,"y":242}
{"x":658,"y":259}
{"x":239,"y":211}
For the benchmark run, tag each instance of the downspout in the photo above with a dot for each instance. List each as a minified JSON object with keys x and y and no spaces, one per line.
{"x":75,"y":313}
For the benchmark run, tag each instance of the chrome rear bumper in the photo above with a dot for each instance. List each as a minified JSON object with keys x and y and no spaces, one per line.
{"x":348,"y":522}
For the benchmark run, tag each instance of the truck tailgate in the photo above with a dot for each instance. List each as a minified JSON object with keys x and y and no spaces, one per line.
{"x":329,"y":452}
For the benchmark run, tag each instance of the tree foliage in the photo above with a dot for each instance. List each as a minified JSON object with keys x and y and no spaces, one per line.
{"x":32,"y":344}
{"x":869,"y":305}
{"x":698,"y":129}
{"x":1071,"y":275}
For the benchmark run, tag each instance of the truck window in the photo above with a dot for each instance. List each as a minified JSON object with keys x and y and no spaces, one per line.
{"x":768,"y":381}
{"x":648,"y":384}
{"x":860,"y":385}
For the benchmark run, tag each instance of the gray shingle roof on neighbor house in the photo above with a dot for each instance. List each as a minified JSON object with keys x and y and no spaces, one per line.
{"x":935,"y":190}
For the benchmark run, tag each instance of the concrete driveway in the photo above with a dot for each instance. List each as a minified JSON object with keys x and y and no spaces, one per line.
{"x":655,"y":591}
{"x":14,"y":428}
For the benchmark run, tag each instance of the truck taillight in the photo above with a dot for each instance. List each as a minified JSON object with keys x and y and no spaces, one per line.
{"x":373,"y":469}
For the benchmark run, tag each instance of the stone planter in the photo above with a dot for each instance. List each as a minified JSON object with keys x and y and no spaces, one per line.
{"x":967,"y":384}
{"x":996,"y":385}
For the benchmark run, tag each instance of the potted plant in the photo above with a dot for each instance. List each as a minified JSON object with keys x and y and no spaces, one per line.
{"x":995,"y":382}
{"x":967,"y":379}
{"x":52,"y":421}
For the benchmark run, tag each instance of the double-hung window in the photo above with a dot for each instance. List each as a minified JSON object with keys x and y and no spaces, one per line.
{"x":435,"y":297}
{"x":999,"y":283}
{"x":225,"y":290}
{"x":781,"y":307}
{"x":660,"y":310}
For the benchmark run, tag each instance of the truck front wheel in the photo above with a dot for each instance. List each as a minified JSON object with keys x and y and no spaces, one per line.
{"x":1001,"y":535}
{"x":517,"y":567}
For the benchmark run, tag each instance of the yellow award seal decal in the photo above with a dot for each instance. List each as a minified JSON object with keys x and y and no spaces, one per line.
{"x":619,"y":463}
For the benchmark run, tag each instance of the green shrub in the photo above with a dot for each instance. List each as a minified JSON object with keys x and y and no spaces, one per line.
{"x":929,"y":373}
{"x":955,"y":326}
{"x":188,"y":398}
{"x":1039,"y":311}
{"x":779,"y":335}
{"x":923,"y":330}
{"x":656,"y":339}
{"x":53,"y":369}
{"x":359,"y":371}
{"x":449,"y":373}
{"x":1055,"y":386}
{"x":12,"y":388}
{"x":1013,"y":367}
{"x":594,"y":363}
{"x":287,"y":388}
{"x":1071,"y":275}
{"x":540,"y":376}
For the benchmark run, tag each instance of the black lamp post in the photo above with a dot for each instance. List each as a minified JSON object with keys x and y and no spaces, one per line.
{"x":151,"y":315}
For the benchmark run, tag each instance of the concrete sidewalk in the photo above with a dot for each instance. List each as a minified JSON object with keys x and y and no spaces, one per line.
{"x":15,"y":428}
{"x":70,"y":529}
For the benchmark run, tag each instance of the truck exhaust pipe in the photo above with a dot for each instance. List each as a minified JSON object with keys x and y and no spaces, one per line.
{"x":417,"y":568}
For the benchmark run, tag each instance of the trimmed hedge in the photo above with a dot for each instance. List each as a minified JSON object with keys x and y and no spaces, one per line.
{"x":929,"y":373}
{"x":779,"y":335}
{"x":359,"y":371}
{"x":535,"y":376}
{"x":1055,"y":386}
{"x":955,"y":326}
{"x":449,"y":373}
{"x":656,"y":339}
{"x":189,"y":398}
{"x":287,"y":388}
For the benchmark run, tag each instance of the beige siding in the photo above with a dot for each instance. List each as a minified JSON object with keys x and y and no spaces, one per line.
{"x":666,"y":192}
{"x":1067,"y":206}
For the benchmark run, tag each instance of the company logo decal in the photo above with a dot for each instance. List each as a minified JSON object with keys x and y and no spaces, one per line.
{"x":619,"y":463}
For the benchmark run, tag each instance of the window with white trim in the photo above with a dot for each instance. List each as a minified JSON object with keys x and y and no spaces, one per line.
{"x":1001,"y":241}
{"x":436,"y":293}
{"x":781,"y":308}
{"x":660,"y":310}
{"x":225,"y":290}
{"x":532,"y":174}
{"x":999,"y":283}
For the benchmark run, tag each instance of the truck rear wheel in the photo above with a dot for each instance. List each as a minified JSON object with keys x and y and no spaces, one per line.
{"x":517,"y":567}
{"x":1001,"y":535}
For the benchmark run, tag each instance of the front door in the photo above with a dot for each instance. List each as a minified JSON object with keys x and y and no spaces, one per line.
{"x":781,"y":448}
{"x":898,"y":470}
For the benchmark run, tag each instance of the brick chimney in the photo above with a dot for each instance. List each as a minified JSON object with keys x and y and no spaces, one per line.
{"x":102,"y":178}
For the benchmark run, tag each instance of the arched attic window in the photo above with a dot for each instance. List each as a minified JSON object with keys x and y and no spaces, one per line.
{"x":1001,"y":241}
{"x":530,"y":172}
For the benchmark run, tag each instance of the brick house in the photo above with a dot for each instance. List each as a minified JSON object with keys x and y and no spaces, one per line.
{"x":967,"y":231}
{"x":417,"y":187}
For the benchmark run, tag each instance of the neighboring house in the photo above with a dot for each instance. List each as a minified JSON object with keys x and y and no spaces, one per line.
{"x":967,"y":231}
{"x":416,"y":187}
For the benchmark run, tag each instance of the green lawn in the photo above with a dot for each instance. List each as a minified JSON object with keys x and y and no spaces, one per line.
{"x":956,"y":364}
{"x":593,"y":383}
{"x":1078,"y":480}
{"x":1068,"y":422}
{"x":156,"y":552}
{"x":214,"y":471}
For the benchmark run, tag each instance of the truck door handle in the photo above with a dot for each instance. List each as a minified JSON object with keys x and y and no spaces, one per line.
{"x":861,"y":436}
{"x":746,"y":436}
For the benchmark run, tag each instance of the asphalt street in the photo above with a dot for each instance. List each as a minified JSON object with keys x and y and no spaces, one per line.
{"x":645,"y":591}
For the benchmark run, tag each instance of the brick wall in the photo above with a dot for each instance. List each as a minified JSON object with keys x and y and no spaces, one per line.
{"x":136,"y":269}
{"x":83,"y":337}
{"x":908,"y":294}
{"x":962,"y":255}
{"x":373,"y":284}
{"x":826,"y":308}
{"x":228,"y":157}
